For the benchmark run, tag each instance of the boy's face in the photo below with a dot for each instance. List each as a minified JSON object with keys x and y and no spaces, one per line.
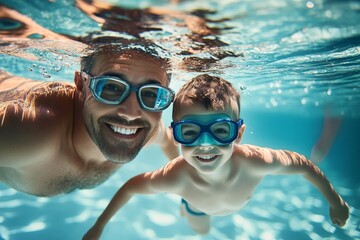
{"x":206,"y":154}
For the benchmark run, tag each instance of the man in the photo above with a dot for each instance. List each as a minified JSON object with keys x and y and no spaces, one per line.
{"x":56,"y":137}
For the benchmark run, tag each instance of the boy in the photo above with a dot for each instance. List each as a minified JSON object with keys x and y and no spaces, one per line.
{"x":215,"y":175}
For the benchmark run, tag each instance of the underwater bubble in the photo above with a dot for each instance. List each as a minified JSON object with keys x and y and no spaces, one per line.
{"x":328,"y":92}
{"x":46,"y":75}
{"x":243,"y":87}
{"x":310,"y":4}
{"x":36,"y":36}
{"x":274,"y":102}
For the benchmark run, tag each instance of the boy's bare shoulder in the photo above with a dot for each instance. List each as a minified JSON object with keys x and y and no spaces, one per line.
{"x":252,"y":154}
{"x":170,"y":177}
{"x":174,"y":168}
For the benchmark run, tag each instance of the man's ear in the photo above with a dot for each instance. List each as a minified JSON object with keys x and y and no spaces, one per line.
{"x":240,"y":133}
{"x":79,"y":83}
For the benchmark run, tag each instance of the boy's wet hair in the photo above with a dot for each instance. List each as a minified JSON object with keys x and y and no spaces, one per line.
{"x":213,"y":92}
{"x":113,"y":47}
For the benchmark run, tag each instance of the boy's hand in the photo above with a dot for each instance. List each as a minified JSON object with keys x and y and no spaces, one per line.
{"x":339,"y":214}
{"x":93,"y":234}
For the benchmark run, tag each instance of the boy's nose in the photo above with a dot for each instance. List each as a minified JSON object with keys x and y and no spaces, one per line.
{"x":206,"y":141}
{"x":206,"y":147}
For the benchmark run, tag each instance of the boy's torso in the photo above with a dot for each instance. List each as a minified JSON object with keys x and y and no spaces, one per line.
{"x":223,"y":197}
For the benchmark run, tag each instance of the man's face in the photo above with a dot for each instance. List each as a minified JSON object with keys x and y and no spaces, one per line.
{"x":120,"y":131}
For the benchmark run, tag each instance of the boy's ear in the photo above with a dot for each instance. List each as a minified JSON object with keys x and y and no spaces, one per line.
{"x":79,"y":83}
{"x":240,"y":133}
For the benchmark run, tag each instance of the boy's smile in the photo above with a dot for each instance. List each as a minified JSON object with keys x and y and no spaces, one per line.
{"x":206,"y":154}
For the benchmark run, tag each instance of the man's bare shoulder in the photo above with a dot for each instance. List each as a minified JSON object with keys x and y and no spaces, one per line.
{"x":35,"y":117}
{"x":29,"y":99}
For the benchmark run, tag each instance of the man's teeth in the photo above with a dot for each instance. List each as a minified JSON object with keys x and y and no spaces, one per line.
{"x":206,"y":157}
{"x":125,"y":131}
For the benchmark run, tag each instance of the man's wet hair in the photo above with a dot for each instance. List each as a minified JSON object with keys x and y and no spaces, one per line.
{"x":116,"y":46}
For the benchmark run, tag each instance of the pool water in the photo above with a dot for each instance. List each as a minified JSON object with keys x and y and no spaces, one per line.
{"x":296,"y":62}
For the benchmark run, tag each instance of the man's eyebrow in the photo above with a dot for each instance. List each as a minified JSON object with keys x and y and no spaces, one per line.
{"x":123,"y":77}
{"x":116,"y":74}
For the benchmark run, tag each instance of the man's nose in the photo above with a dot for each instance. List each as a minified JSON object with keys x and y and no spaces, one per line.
{"x":130,"y":108}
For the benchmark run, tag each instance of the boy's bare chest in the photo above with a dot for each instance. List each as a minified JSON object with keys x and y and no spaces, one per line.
{"x":222,"y":198}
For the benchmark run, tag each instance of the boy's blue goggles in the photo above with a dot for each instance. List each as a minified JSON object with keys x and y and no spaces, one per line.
{"x":114,"y":90}
{"x":224,"y":131}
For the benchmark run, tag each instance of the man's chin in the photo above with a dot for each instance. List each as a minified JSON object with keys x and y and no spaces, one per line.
{"x":121,"y":154}
{"x":120,"y":161}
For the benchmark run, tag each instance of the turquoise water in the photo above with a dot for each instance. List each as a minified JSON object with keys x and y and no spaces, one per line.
{"x":295,"y":61}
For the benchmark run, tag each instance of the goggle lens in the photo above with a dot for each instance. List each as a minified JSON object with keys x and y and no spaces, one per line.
{"x":224,"y":131}
{"x":113,"y":90}
{"x":155,"y":97}
{"x":110,"y":90}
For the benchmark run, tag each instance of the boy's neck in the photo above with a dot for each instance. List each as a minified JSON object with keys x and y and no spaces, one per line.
{"x":220,"y":175}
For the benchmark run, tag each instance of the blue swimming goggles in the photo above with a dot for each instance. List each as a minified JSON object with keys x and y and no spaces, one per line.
{"x":224,"y":131}
{"x":114,"y":90}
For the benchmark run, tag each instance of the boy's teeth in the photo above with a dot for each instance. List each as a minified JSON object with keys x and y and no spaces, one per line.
{"x":207,"y":157}
{"x":125,"y":131}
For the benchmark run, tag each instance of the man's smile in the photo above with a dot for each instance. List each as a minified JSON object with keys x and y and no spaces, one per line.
{"x":123,"y":130}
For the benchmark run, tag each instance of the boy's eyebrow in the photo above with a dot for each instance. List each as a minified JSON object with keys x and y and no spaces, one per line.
{"x":124,"y":77}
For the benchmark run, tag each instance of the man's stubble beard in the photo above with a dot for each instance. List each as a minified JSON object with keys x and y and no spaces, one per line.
{"x":122,"y":152}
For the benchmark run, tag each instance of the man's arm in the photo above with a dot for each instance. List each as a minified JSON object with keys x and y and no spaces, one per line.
{"x":269,"y":161}
{"x":163,"y":137}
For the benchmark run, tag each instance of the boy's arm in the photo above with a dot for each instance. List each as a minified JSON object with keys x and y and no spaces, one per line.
{"x":287,"y":162}
{"x":147,"y":183}
{"x":138,"y":184}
